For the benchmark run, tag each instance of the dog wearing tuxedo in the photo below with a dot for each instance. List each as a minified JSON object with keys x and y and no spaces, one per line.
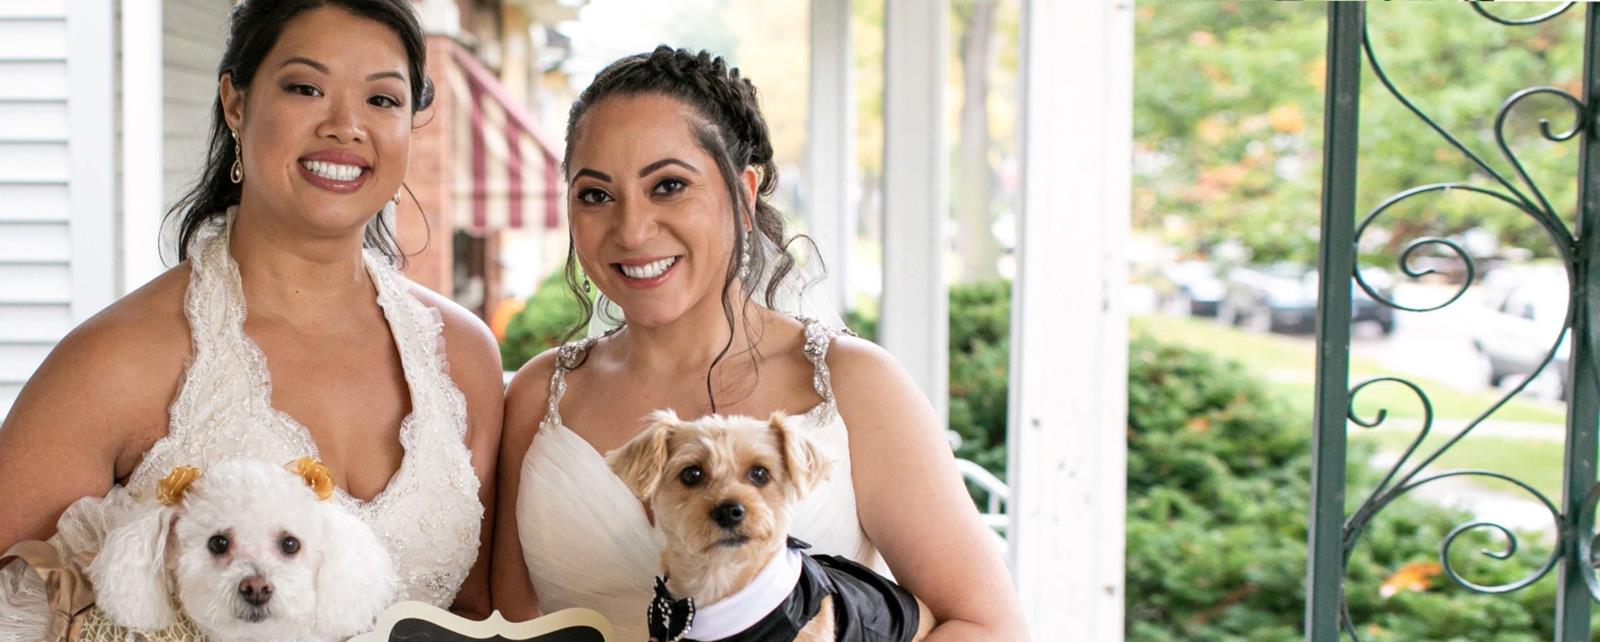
{"x":721,"y":490}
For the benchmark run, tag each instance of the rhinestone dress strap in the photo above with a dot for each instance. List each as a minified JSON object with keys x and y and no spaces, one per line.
{"x":568,"y":358}
{"x":818,"y":337}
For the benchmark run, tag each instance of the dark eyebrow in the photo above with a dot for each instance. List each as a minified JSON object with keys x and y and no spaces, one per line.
{"x":305,"y":61}
{"x":663,"y":163}
{"x":589,"y":172}
{"x":387,"y":74}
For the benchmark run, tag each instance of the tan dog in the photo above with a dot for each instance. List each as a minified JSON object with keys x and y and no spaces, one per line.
{"x":721,"y":491}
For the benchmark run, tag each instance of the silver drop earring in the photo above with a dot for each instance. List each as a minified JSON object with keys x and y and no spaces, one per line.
{"x":237,"y":173}
{"x":744,"y":258}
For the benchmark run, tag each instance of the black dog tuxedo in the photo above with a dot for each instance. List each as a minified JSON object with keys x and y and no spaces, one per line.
{"x":867,"y":607}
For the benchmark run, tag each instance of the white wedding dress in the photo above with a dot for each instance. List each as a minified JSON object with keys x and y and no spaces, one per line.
{"x":586,"y":540}
{"x":428,"y":515}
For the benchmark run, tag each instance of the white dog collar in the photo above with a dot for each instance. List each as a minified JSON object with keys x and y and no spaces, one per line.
{"x":744,"y":609}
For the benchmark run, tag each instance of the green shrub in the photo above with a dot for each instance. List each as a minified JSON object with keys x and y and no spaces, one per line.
{"x":1218,"y":494}
{"x":980,"y":324}
{"x":1218,"y":488}
{"x":541,"y":324}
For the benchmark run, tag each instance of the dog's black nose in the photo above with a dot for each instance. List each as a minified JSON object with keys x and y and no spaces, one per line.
{"x":728,"y":514}
{"x":255,"y":590}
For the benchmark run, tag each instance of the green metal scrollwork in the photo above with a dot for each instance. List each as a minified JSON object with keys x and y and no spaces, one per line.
{"x":1574,"y":516}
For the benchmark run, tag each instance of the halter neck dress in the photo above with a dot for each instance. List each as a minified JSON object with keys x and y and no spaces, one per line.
{"x":428,"y":516}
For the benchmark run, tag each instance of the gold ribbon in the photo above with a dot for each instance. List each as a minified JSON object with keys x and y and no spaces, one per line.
{"x":315,"y":474}
{"x":67,"y":588}
{"x":170,"y":490}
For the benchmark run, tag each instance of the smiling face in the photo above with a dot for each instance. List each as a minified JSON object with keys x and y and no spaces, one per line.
{"x":325,"y":126}
{"x":651,"y":217}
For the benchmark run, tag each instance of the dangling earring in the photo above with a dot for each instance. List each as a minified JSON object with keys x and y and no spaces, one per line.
{"x":586,"y":287}
{"x":744,"y":258}
{"x":396,"y":199}
{"x":237,"y":174}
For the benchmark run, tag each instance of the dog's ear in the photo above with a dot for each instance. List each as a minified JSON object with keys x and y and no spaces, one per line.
{"x":130,"y":578}
{"x":803,"y":461}
{"x":641,"y":461}
{"x":356,"y":578}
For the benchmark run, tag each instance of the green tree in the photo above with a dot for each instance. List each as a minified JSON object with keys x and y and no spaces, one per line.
{"x":1228,"y":101}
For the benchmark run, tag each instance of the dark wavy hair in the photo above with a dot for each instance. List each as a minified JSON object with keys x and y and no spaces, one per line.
{"x":253,"y":29}
{"x":730,"y":128}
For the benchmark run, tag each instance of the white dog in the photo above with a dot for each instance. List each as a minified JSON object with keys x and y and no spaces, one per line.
{"x":251,"y":551}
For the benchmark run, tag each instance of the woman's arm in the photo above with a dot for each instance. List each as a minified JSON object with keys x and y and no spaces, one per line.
{"x":912,"y":503}
{"x":526,"y":399}
{"x":90,"y":412}
{"x":474,"y":359}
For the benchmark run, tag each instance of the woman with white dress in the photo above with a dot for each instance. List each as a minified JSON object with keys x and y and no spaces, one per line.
{"x":286,"y":330}
{"x":669,"y":168}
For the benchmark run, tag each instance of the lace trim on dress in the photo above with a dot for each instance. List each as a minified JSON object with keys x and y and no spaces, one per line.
{"x":427,"y":513}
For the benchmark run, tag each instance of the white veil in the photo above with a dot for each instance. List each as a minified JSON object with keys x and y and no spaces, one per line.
{"x":804,"y":293}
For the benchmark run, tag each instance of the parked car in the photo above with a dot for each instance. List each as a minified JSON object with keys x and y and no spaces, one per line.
{"x":1282,"y":297}
{"x":1194,"y":287}
{"x":1524,"y":310}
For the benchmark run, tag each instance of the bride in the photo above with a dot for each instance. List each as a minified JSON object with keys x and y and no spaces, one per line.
{"x":278,"y":336}
{"x":669,"y":167}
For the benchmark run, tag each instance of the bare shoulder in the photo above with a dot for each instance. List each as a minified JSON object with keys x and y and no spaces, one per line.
{"x":873,"y":389}
{"x":854,"y":362}
{"x":113,"y":377}
{"x":154,"y":312}
{"x":140,"y":335}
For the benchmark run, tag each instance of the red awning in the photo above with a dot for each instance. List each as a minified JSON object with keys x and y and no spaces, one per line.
{"x":506,"y":172}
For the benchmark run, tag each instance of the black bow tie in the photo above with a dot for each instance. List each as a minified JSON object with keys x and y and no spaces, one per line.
{"x":670,"y":618}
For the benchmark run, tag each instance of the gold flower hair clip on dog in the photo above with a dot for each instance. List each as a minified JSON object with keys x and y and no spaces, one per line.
{"x":170,"y":490}
{"x":316,"y":476}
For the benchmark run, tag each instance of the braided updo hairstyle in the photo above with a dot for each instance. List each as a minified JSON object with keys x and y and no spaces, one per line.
{"x":730,"y":129}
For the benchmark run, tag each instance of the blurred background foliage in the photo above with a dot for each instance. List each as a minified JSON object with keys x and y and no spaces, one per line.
{"x":1228,"y":128}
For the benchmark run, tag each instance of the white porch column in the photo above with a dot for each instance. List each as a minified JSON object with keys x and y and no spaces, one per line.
{"x":90,"y":77}
{"x":830,"y":129}
{"x":914,"y":324}
{"x":1068,"y":435}
{"x":143,"y":129}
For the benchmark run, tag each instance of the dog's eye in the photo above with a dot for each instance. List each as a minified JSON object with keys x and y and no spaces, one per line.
{"x":289,"y":545}
{"x":218,"y":544}
{"x":691,"y":475}
{"x":759,"y":475}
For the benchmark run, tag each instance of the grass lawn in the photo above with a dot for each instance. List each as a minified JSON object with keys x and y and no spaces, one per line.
{"x":1287,"y":367}
{"x":1536,"y":462}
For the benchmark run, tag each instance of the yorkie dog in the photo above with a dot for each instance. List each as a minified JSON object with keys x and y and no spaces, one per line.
{"x":721,"y":491}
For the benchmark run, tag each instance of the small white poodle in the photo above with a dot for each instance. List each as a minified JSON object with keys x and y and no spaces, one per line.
{"x":250,"y":551}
